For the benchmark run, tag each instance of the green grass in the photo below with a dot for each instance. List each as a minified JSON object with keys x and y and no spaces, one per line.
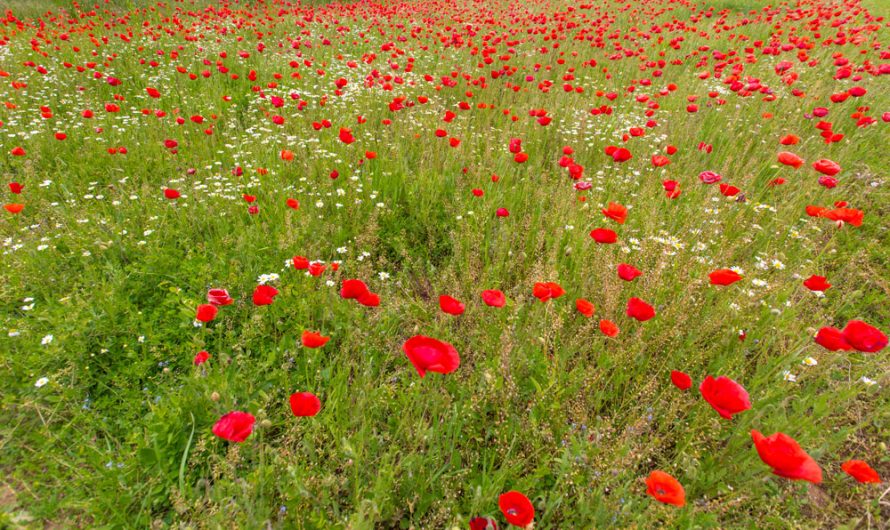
{"x":543,"y":403}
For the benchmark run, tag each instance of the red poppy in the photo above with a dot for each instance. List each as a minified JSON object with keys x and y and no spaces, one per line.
{"x":864,"y":337}
{"x":782,"y":453}
{"x":201,"y":357}
{"x":790,"y":159}
{"x":430,"y":355}
{"x":584,"y":307}
{"x":369,"y":299}
{"x":604,"y":235}
{"x":724,"y":277}
{"x":639,"y":309}
{"x":206,"y":312}
{"x":616,"y":212}
{"x":483,"y":523}
{"x":17,"y":151}
{"x":311,"y":339}
{"x":304,"y":404}
{"x":816,"y":283}
{"x":235,"y":426}
{"x":264,"y":295}
{"x":300,"y":263}
{"x":219,"y":297}
{"x":15,"y":187}
{"x":681,"y":380}
{"x":517,"y":509}
{"x":861,"y":471}
{"x":827,"y":167}
{"x":315,"y":268}
{"x":608,"y":328}
{"x":709,"y":177}
{"x":353,"y":289}
{"x":665,"y":488}
{"x":628,"y":273}
{"x":14,"y":208}
{"x":171,"y":193}
{"x":494,"y":298}
{"x":832,"y":339}
{"x":293,"y":204}
{"x":725,"y":395}
{"x":547,"y":290}
{"x":450,"y":305}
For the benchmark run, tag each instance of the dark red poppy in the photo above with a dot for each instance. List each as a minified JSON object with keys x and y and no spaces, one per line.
{"x":782,"y":453}
{"x":430,"y":355}
{"x":235,"y":426}
{"x":304,"y":404}
{"x":517,"y":509}
{"x":665,"y":488}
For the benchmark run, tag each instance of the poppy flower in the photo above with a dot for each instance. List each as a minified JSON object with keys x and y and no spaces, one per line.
{"x":219,"y":297}
{"x":16,"y":188}
{"x":293,"y":204}
{"x":502,"y":212}
{"x":832,"y":339}
{"x":483,"y":523}
{"x":729,"y":191}
{"x":264,"y":295}
{"x":864,"y":337}
{"x":861,"y":471}
{"x":353,"y":289}
{"x":517,"y":509}
{"x":547,"y":290}
{"x":171,"y":193}
{"x":316,"y":269}
{"x":608,"y":328}
{"x":616,"y":212}
{"x":790,"y":159}
{"x":346,"y":136}
{"x":494,"y":298}
{"x":304,"y":404}
{"x":827,"y":167}
{"x":430,"y":355}
{"x":709,"y":177}
{"x":450,"y":305}
{"x":585,"y":307}
{"x":816,"y":283}
{"x":665,"y":488}
{"x":725,"y":395}
{"x":14,"y":208}
{"x":681,"y":380}
{"x":782,"y":453}
{"x":369,"y":299}
{"x":724,"y":277}
{"x":310,"y":339}
{"x":235,"y":426}
{"x":604,"y":235}
{"x":627,"y":272}
{"x":300,"y":263}
{"x":206,"y":312}
{"x":845,"y":215}
{"x":201,"y":357}
{"x":639,"y":310}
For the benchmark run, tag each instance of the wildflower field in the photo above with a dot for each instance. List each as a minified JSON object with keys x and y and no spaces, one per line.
{"x":445,"y":265}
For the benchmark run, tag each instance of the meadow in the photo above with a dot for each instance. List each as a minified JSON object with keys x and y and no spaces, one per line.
{"x":425,"y":264}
